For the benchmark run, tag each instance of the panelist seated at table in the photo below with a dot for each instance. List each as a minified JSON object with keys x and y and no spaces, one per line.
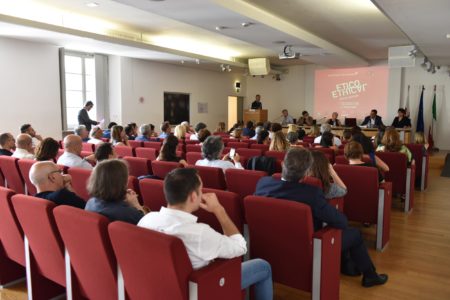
{"x":401,"y":121}
{"x":257,"y":103}
{"x":334,"y":121}
{"x":373,"y":120}
{"x":305,"y":119}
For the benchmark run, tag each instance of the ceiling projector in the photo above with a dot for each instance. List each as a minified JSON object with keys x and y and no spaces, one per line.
{"x":288,"y":53}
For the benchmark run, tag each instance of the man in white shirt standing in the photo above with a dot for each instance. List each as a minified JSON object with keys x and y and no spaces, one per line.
{"x":183,"y":192}
{"x":72,"y":154}
{"x":24,"y":147}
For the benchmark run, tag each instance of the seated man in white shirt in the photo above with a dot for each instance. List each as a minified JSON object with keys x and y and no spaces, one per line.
{"x":286,"y":119}
{"x":212,"y":152}
{"x":198,"y":127}
{"x":24,"y":147}
{"x":72,"y":154}
{"x":96,"y":135}
{"x":183,"y":192}
{"x":324,"y":128}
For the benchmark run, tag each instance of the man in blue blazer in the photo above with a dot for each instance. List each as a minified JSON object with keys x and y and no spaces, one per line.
{"x":355,"y":258}
{"x":373,"y":120}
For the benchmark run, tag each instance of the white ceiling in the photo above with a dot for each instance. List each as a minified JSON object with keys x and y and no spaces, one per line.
{"x":327,"y":32}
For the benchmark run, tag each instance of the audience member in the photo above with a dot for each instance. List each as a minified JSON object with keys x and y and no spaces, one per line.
{"x":203,"y":135}
{"x":24,"y":147}
{"x":183,"y":192}
{"x":419,"y":139}
{"x":327,"y":128}
{"x":353,"y":152}
{"x":146,"y":133}
{"x":354,"y":257}
{"x":248,"y":130}
{"x":7,"y":144}
{"x":82,"y":132}
{"x":110,"y":195}
{"x":47,"y":150}
{"x":221,"y":128}
{"x":130,"y":132}
{"x":315,"y":131}
{"x":107,"y":132}
{"x":369,"y":151}
{"x":72,"y":154}
{"x":28,"y":129}
{"x":301,"y":133}
{"x":292,"y":138}
{"x":279,"y":142}
{"x":105,"y":151}
{"x":258,"y":130}
{"x":305,"y":119}
{"x":165,"y":130}
{"x":180,"y":132}
{"x":333,"y":186}
{"x":379,"y":136}
{"x":96,"y":135}
{"x":264,"y":138}
{"x":267,"y":125}
{"x":346,"y":135}
{"x":327,"y":140}
{"x":237,"y":133}
{"x":83,"y":116}
{"x":391,"y":143}
{"x":52,"y":185}
{"x":187,"y":126}
{"x":233,"y":128}
{"x":118,"y":136}
{"x":275,"y":127}
{"x":169,"y":151}
{"x":212,"y":150}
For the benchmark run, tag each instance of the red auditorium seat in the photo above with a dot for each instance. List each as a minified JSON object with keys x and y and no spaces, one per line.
{"x":329,"y":153}
{"x":166,"y":272}
{"x":193,"y":148}
{"x":44,"y":248}
{"x":341,"y":160}
{"x":155,"y":145}
{"x":87,"y":147}
{"x":123,"y":151}
{"x":12,"y":254}
{"x":138,"y":166}
{"x":192,"y":157}
{"x":261,"y":147}
{"x":401,"y":176}
{"x":24,"y":168}
{"x":304,"y":144}
{"x":193,"y":142}
{"x":243,"y":182}
{"x":422,"y":160}
{"x":148,"y":153}
{"x":2,"y":178}
{"x":279,"y":155}
{"x":10,"y":170}
{"x":249,"y":152}
{"x":79,"y":181}
{"x":308,"y":139}
{"x":85,"y":236}
{"x":161,"y":168}
{"x":366,"y":200}
{"x":311,"y":262}
{"x":135,"y":144}
{"x":237,"y":145}
{"x":212,"y":177}
{"x":152,"y":191}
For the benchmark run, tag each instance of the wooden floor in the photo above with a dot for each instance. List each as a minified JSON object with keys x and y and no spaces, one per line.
{"x":417,"y":258}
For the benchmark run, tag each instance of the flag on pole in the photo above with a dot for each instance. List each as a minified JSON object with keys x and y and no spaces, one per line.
{"x":420,"y":127}
{"x":431,"y":128}
{"x":407,"y":103}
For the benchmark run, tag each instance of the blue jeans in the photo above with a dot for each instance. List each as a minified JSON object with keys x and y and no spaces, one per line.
{"x":258,"y":272}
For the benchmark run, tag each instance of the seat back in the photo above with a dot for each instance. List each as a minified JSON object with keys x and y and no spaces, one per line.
{"x":361,"y":200}
{"x":237,"y":145}
{"x":308,"y":139}
{"x":2,"y":179}
{"x":289,"y":221}
{"x":329,"y":153}
{"x":138,"y":166}
{"x":279,"y":155}
{"x":162,"y":273}
{"x":397,"y":163}
{"x":148,"y":153}
{"x":243,"y":182}
{"x":10,"y":170}
{"x":123,"y":151}
{"x":35,"y":215}
{"x":135,"y":144}
{"x":152,"y":191}
{"x":11,"y":234}
{"x":261,"y":147}
{"x":340,"y":160}
{"x":155,"y":145}
{"x":161,"y":168}
{"x":192,"y":157}
{"x":246,"y":154}
{"x":80,"y":178}
{"x":420,"y":156}
{"x":212,"y":177}
{"x":85,"y":236}
{"x":193,"y":148}
{"x":88,"y":147}
{"x":24,"y":167}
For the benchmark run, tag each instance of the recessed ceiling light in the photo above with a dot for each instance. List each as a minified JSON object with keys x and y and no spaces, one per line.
{"x":279,"y":42}
{"x":247,"y":24}
{"x":92,"y":4}
{"x":219,"y":28}
{"x":448,"y":35}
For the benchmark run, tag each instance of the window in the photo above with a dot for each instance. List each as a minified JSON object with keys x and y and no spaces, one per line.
{"x":79,"y":86}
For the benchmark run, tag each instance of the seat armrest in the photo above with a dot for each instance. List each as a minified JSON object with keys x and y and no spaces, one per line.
{"x":326,"y":263}
{"x":219,"y":280}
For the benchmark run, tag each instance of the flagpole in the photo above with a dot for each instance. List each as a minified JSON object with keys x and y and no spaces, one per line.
{"x":436,"y":149}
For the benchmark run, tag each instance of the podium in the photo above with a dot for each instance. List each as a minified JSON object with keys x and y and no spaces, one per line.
{"x":255,"y":115}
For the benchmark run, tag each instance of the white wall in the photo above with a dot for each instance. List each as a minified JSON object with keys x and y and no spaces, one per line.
{"x":141,"y":78}
{"x":115,"y":90}
{"x":29,"y":87}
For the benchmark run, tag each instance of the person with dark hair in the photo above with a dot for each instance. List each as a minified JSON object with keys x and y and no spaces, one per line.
{"x":369,"y":151}
{"x":47,"y":150}
{"x":264,"y":137}
{"x":130,"y":131}
{"x":212,"y":152}
{"x":327,"y":128}
{"x":346,"y":135}
{"x":292,"y":138}
{"x":107,"y":132}
{"x":169,"y":151}
{"x":203,"y":134}
{"x":333,"y":186}
{"x":28,"y":129}
{"x":401,"y":121}
{"x":7,"y":144}
{"x":96,"y":135}
{"x":105,"y":151}
{"x":353,"y":152}
{"x":51,"y":184}
{"x":355,"y":258}
{"x":83,"y":116}
{"x":327,"y":140}
{"x":183,"y":192}
{"x":165,"y":130}
{"x":199,"y":126}
{"x":110,"y":195}
{"x":248,"y":130}
{"x":267,"y":125}
{"x":257,"y":103}
{"x":372,"y":120}
{"x":301,"y":134}
{"x":305,"y":119}
{"x":275,"y":127}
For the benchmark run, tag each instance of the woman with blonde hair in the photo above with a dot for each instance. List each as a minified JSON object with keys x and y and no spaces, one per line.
{"x":118,"y":136}
{"x":180,"y":132}
{"x":391,"y":143}
{"x":279,"y":142}
{"x":315,"y":131}
{"x":221,"y":128}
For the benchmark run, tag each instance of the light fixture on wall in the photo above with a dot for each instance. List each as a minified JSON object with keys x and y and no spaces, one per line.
{"x":226,"y":68}
{"x":237,"y":86}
